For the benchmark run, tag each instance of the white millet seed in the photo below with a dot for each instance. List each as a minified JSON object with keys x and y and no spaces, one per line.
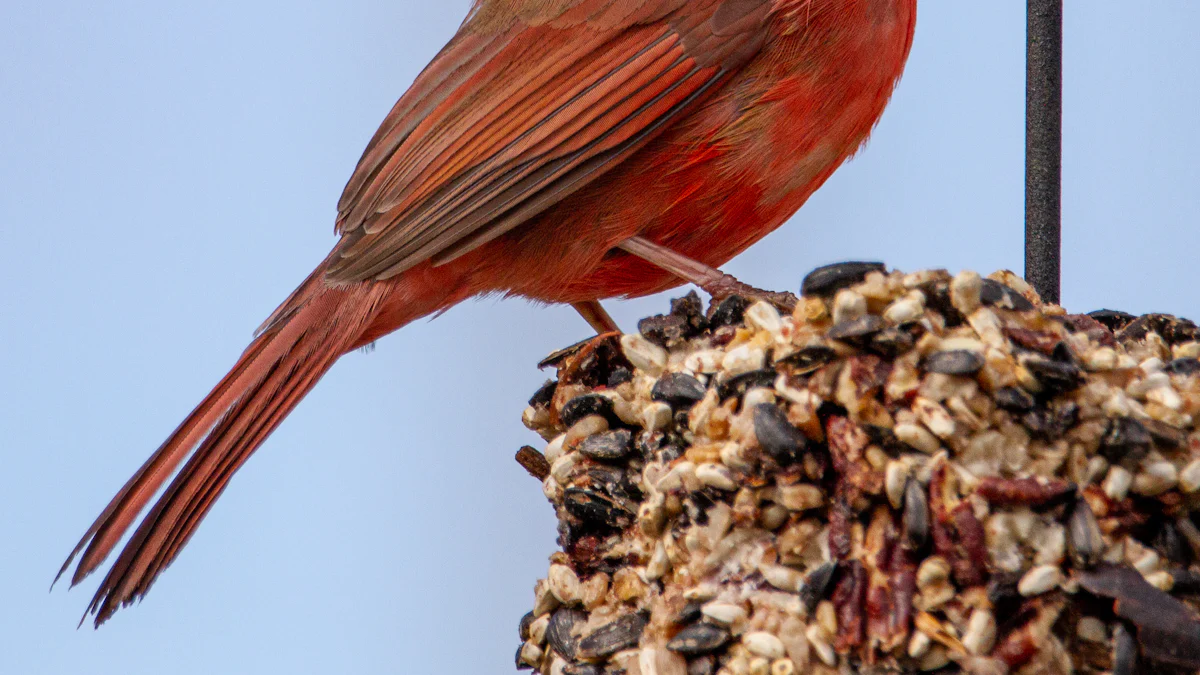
{"x":1039,"y":580}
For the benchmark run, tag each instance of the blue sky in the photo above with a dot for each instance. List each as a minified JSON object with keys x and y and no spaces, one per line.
{"x":169,"y":172}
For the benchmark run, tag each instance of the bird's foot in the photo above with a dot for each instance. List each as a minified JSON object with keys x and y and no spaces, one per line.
{"x":728,"y":285}
{"x":713,"y":281}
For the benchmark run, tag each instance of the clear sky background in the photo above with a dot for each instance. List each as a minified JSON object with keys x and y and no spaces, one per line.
{"x":168,"y":173}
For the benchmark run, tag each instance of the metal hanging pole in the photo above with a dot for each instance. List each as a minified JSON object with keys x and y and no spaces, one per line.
{"x":1043,"y":147}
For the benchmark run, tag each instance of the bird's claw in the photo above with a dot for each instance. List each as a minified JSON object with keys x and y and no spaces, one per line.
{"x":782,"y":300}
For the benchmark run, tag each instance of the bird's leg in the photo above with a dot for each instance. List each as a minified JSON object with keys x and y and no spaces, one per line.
{"x":596,"y":316}
{"x":713,"y":281}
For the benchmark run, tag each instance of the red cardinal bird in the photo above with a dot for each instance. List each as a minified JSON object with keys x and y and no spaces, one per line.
{"x":561,"y":150}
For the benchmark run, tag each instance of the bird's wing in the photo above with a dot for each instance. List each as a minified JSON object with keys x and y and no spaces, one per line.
{"x":524,"y":106}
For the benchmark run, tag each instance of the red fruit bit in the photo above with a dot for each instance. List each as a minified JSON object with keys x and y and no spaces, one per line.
{"x":970,"y":565}
{"x":1041,"y":342}
{"x":849,"y":600}
{"x":840,"y":517}
{"x":847,"y":444}
{"x":1022,"y":491}
{"x":879,"y":611}
{"x":1017,"y":649}
{"x":1096,"y":331}
{"x":943,"y":541}
{"x":904,"y":589}
{"x":868,"y":373}
{"x":958,"y":536}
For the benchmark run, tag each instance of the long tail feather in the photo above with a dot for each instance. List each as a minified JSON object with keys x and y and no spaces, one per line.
{"x":274,"y":373}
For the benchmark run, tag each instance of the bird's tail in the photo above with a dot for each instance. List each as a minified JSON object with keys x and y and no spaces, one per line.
{"x":301,"y":341}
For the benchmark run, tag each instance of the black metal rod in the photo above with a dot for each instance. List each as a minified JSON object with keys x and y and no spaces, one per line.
{"x":1043,"y":148}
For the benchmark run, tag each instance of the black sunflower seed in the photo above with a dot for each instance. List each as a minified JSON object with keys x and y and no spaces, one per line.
{"x":680,"y":390}
{"x":816,"y":585}
{"x":809,"y":359}
{"x":544,"y":394}
{"x":595,"y":508}
{"x":657,"y":446}
{"x":584,"y":406}
{"x":1051,"y":423}
{"x":857,"y":331}
{"x":1125,"y":437}
{"x":730,"y":311}
{"x":558,"y":632}
{"x":1172,"y":329}
{"x":937,"y":298}
{"x":738,"y":385}
{"x":609,"y":446}
{"x":1170,"y":545}
{"x":891,"y":342}
{"x":1015,"y":399}
{"x":1112,"y":319}
{"x":559,"y":356}
{"x":1056,"y":377}
{"x":1062,"y":352}
{"x":1084,"y":540}
{"x":613,"y":637}
{"x":1165,"y":435}
{"x":915,"y":521}
{"x":615,"y":482}
{"x":698,"y":638}
{"x":619,"y":376}
{"x":521,"y":665}
{"x":523,"y":627}
{"x":778,"y":438}
{"x":689,"y":614}
{"x":954,"y":362}
{"x":664,"y":330}
{"x":1183,"y":366}
{"x":1003,"y":594}
{"x":998,"y":295}
{"x":830,"y":279}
